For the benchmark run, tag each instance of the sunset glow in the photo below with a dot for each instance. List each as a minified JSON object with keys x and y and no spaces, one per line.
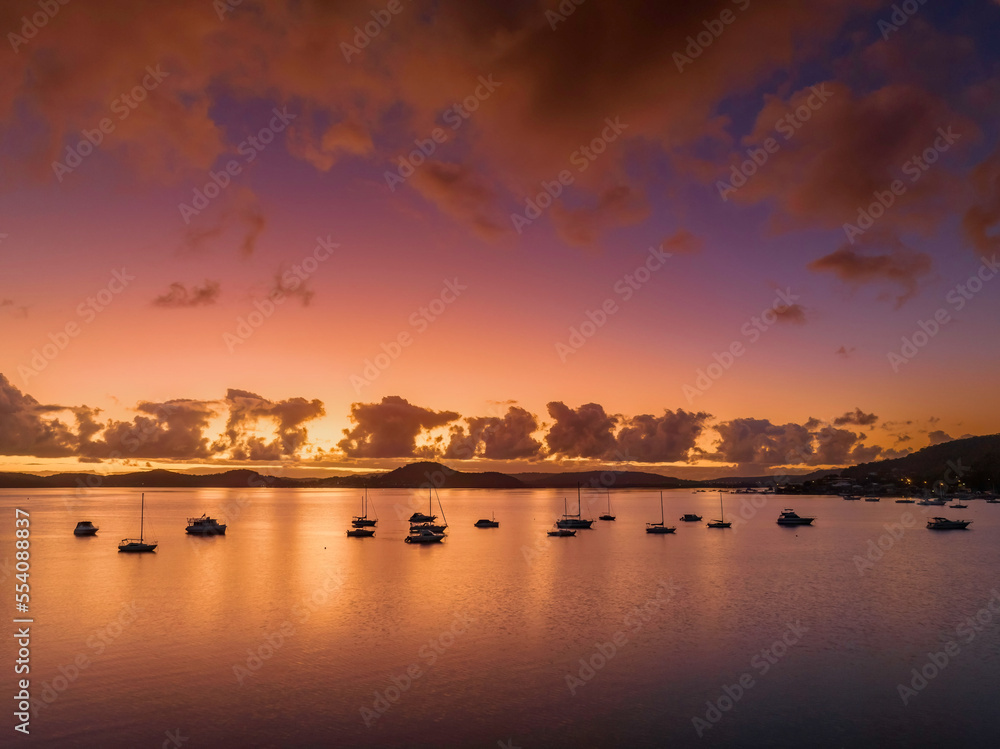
{"x":733,"y":238}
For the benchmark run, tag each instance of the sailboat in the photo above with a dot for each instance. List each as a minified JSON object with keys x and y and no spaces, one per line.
{"x":428,"y":524}
{"x":660,"y":527}
{"x":362,"y":520}
{"x":419,"y":517}
{"x":132,"y":545}
{"x":574,"y":521}
{"x":722,"y":522}
{"x":608,"y":515}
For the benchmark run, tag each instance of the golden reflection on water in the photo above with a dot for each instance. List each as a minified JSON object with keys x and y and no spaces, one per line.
{"x":283,"y":630}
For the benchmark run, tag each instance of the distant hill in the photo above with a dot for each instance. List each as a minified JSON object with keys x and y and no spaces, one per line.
{"x":428,"y":473}
{"x":973,"y":460}
{"x":612,"y":479}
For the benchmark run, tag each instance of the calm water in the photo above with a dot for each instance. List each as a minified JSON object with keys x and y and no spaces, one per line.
{"x":471,"y":643}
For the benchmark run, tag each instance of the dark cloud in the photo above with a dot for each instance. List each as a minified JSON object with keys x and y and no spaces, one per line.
{"x":616,"y":206}
{"x":759,"y":442}
{"x":981,"y":221}
{"x":938,"y":436}
{"x":901,"y":267}
{"x":586,"y":432}
{"x":180,"y":296}
{"x":857,"y":417}
{"x":462,"y":193}
{"x":25,"y":428}
{"x":172,"y":430}
{"x":790,"y":313}
{"x":247,"y":409}
{"x":853,"y":147}
{"x":659,"y":439}
{"x":390,"y":429}
{"x":492,"y":437}
{"x":292,"y":286}
{"x":682,"y":242}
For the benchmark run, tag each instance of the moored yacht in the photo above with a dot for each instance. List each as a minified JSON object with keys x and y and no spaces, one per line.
{"x":424,"y":536}
{"x":660,"y":527}
{"x":85,"y":528}
{"x":944,"y":524}
{"x":790,"y":517}
{"x":561,"y":532}
{"x":488,"y":523}
{"x":573,"y":521}
{"x":205,"y":526}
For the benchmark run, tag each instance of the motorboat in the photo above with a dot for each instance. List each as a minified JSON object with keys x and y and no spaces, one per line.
{"x":137,"y":545}
{"x":361,"y":533}
{"x":872,"y":499}
{"x":205,"y":526}
{"x":491,"y":523}
{"x":958,"y":505}
{"x":85,"y":528}
{"x":432,"y":527}
{"x":660,"y":527}
{"x":851,"y":497}
{"x":943,"y":524}
{"x":424,"y":536}
{"x":935,"y":502}
{"x":904,"y":501}
{"x":790,"y":517}
{"x":562,"y":532}
{"x":690,"y":517}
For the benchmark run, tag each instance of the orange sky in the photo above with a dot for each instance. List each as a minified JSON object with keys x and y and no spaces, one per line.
{"x":401,"y":196}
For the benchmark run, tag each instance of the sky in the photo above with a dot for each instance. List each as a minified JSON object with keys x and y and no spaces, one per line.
{"x":707,"y":239}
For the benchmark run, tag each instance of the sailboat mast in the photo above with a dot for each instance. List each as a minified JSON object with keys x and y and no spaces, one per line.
{"x":142,"y":513}
{"x":661,"y":508}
